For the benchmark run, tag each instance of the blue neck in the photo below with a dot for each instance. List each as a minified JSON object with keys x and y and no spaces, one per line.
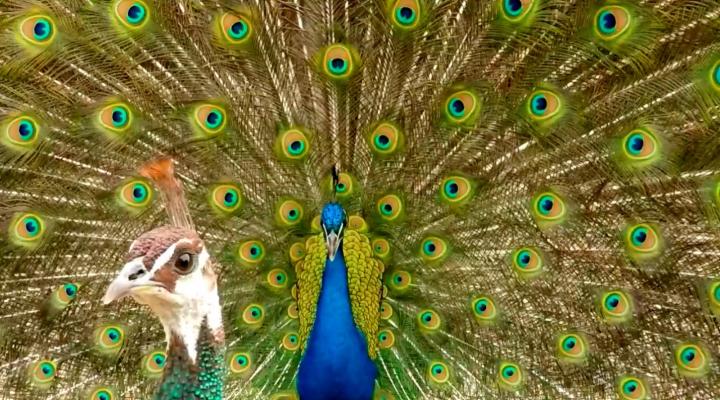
{"x":335,"y":364}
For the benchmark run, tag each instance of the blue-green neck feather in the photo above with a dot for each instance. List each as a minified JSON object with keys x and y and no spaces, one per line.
{"x":336,"y":364}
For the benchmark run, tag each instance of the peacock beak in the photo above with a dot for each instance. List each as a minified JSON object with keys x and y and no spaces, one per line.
{"x":332,"y":241}
{"x":132,"y":278}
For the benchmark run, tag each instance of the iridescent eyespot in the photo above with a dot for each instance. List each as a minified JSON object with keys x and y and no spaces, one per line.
{"x":291,"y":341}
{"x":510,"y":376}
{"x":63,"y":295}
{"x":462,"y":107}
{"x":239,"y":363}
{"x":642,"y":242}
{"x":386,"y":339}
{"x":712,"y":294}
{"x":438,"y":372}
{"x":21,"y":133}
{"x":456,"y":190}
{"x":251,"y":252}
{"x":386,"y":310}
{"x":400,"y":281}
{"x":253,"y":315}
{"x":406,"y":14}
{"x":433,"y":249}
{"x":641,"y":145}
{"x":484,"y":309}
{"x":277,"y":278}
{"x":135,"y":195}
{"x":571,"y":348}
{"x":611,"y":22}
{"x":692,"y":360}
{"x":548,"y":209}
{"x":339,"y":61}
{"x":292,"y":145}
{"x":631,"y":388}
{"x":292,"y":310}
{"x":516,"y":10}
{"x":528,"y":262}
{"x":543,"y":105}
{"x":236,"y":29}
{"x":109,"y":339}
{"x":715,"y":75}
{"x":102,"y":393}
{"x":153,"y":364}
{"x":297,"y":252}
{"x":345,"y":186}
{"x":132,"y":14}
{"x":116,"y":118}
{"x":390,"y":207}
{"x":43,"y":373}
{"x":381,"y":248}
{"x":226,"y":198}
{"x":289,"y":213}
{"x":208,"y":120}
{"x":357,"y":223}
{"x":27,"y":229}
{"x":616,"y":306}
{"x":428,"y":320}
{"x":38,"y":30}
{"x":386,"y":139}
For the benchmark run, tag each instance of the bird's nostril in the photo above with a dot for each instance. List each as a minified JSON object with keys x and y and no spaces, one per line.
{"x":136,"y":275}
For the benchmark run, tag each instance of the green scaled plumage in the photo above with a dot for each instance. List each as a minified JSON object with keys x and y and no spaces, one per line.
{"x":539,"y":179}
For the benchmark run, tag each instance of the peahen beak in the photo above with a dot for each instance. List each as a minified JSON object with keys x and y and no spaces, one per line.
{"x":332,"y":241}
{"x":132,"y":278}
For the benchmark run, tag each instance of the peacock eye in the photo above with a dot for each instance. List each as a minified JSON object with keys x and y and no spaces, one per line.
{"x":184,"y":263}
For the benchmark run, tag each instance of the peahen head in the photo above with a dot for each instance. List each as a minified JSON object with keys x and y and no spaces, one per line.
{"x":169,"y":269}
{"x":333,"y":220}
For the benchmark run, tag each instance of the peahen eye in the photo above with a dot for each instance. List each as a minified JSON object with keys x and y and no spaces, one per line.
{"x":405,"y":14}
{"x":185,"y":263}
{"x":692,"y":360}
{"x":510,"y":376}
{"x":438,"y":372}
{"x":292,"y":145}
{"x":22,"y":133}
{"x":632,"y":388}
{"x":611,"y":22}
{"x":339,"y":61}
{"x":616,"y":306}
{"x":132,"y":14}
{"x":38,"y":30}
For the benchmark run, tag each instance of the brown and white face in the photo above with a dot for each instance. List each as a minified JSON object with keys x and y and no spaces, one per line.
{"x":169,"y":269}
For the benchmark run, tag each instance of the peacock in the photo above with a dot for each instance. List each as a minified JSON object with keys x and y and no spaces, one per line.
{"x":359,"y":199}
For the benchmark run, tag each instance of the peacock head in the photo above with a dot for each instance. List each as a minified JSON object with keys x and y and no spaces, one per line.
{"x":169,"y":269}
{"x":333,"y":220}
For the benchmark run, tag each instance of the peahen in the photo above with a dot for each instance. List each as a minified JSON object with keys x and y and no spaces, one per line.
{"x":355,"y":199}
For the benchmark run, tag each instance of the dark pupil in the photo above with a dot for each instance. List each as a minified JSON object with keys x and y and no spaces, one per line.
{"x":241,"y":361}
{"x":637,"y":144}
{"x":453,"y":188}
{"x":438,"y":370}
{"x":690,"y":356}
{"x":608,"y":21}
{"x":398,"y":278}
{"x":30,"y":226}
{"x":117,"y":116}
{"x":383,"y":140}
{"x":46,"y":370}
{"x":483,"y":307}
{"x":387,"y":208}
{"x":134,"y":12}
{"x":70,"y":290}
{"x":547,"y":205}
{"x":292,"y":213}
{"x":514,"y":5}
{"x":509,"y":372}
{"x":113,"y":335}
{"x":341,"y":186}
{"x":238,"y":27}
{"x":406,"y":12}
{"x":137,"y":192}
{"x":159,"y":360}
{"x":24,"y":130}
{"x":184,"y":261}
{"x":254,"y":313}
{"x":458,"y":106}
{"x":525,"y":258}
{"x":540,"y":103}
{"x":431,"y":247}
{"x":229,"y":197}
{"x":212,"y":118}
{"x":640,"y":236}
{"x":103,"y":396}
{"x":295,"y":145}
{"x":40,"y":29}
{"x":614,"y":302}
{"x":631,"y":387}
{"x":570,"y":344}
{"x":253,"y":251}
{"x":427,"y":318}
{"x":338,"y":63}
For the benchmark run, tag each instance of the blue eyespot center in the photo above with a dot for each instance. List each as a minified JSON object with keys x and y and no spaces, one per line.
{"x":42,"y":29}
{"x":513,"y":7}
{"x":539,"y":104}
{"x":238,"y":30}
{"x":387,"y":208}
{"x":524,"y":258}
{"x":452,"y":189}
{"x":569,"y":343}
{"x":230,"y":198}
{"x":546,"y":204}
{"x":716,"y":293}
{"x":437,"y":370}
{"x":296,"y":147}
{"x":382,"y":141}
{"x":481,"y":306}
{"x":688,"y":355}
{"x":70,"y":289}
{"x":241,"y":360}
{"x":119,"y":117}
{"x":254,"y":250}
{"x":139,"y":192}
{"x":508,"y":372}
{"x":213,"y":119}
{"x":159,"y":360}
{"x":340,"y":187}
{"x":612,"y":301}
{"x":716,"y":74}
{"x":430,"y":247}
{"x":26,"y":129}
{"x":635,"y":144}
{"x":136,"y":14}
{"x":427,"y":317}
{"x":405,"y":15}
{"x":456,"y":108}
{"x":607,"y":22}
{"x":338,"y":66}
{"x":32,"y":226}
{"x":639,"y":235}
{"x":46,"y":369}
{"x":630,"y":387}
